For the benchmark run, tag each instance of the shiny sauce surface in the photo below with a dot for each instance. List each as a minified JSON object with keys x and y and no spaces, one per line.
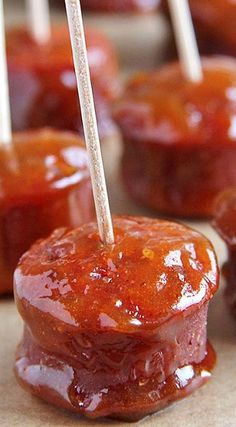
{"x":40,"y":163}
{"x":42,"y":83}
{"x":155,"y":270}
{"x":163,"y":107}
{"x":22,"y":50}
{"x":100,"y":392}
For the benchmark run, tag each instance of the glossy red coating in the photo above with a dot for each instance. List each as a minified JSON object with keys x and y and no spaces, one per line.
{"x":44,"y":184}
{"x":121,"y":328}
{"x":120,"y":5}
{"x":179,"y":137}
{"x":43,"y":89}
{"x":225,"y":223}
{"x":215,"y":23}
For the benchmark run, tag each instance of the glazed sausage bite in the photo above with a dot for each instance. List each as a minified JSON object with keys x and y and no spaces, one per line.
{"x":42,"y":82}
{"x":225,"y":223}
{"x":179,"y":137}
{"x":119,"y":330}
{"x":44,"y":184}
{"x":120,"y":5}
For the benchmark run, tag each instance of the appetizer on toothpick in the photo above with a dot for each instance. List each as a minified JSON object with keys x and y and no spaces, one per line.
{"x":44,"y":179}
{"x":42,"y":80}
{"x":178,"y":127}
{"x":115,"y":313}
{"x":49,"y":188}
{"x":116,"y":330}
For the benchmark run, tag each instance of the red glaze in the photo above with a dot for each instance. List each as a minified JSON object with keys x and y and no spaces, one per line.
{"x":44,"y":184}
{"x":215,"y":23}
{"x":180,"y":137}
{"x":120,"y":5}
{"x":225,"y":223}
{"x":117,"y":330}
{"x":42,"y":82}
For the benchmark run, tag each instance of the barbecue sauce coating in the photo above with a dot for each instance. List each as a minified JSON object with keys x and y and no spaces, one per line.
{"x":180,"y":137}
{"x":43,"y":89}
{"x":215,"y":23}
{"x":44,"y":184}
{"x":225,"y":223}
{"x":117,"y":330}
{"x":120,"y":5}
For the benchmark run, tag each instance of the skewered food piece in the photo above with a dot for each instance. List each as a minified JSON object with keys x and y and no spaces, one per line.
{"x":45,"y":184}
{"x":116,"y":330}
{"x":42,"y":81}
{"x":179,"y":137}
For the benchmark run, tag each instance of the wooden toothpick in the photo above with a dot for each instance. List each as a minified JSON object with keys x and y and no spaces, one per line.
{"x":5,"y":116}
{"x":80,"y":56}
{"x":39,"y":20}
{"x":186,"y":40}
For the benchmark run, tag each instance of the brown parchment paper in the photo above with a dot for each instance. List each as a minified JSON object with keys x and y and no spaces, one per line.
{"x":214,"y":405}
